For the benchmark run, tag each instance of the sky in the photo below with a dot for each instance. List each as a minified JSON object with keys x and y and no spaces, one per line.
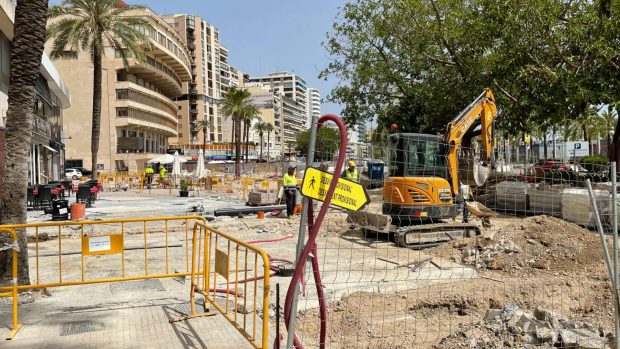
{"x":264,"y":36}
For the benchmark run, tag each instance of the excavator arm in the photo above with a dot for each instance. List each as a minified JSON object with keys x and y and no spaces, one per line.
{"x":460,"y":131}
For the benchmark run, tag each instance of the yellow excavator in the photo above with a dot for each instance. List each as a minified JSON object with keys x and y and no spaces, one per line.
{"x":426,"y":172}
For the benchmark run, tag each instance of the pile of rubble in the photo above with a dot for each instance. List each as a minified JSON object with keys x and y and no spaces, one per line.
{"x":489,"y":255}
{"x":514,"y":328}
{"x":539,"y":242}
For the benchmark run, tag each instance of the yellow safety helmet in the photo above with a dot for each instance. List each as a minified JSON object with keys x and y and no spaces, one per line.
{"x":351,"y":163}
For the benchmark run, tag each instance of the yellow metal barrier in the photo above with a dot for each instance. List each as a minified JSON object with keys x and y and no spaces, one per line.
{"x":225,"y":265}
{"x":13,"y":289}
{"x":103,"y":237}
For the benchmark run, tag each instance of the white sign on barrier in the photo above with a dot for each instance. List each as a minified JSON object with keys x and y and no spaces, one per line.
{"x":99,"y":243}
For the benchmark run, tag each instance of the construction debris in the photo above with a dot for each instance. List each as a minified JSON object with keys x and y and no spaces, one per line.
{"x":513,"y":327}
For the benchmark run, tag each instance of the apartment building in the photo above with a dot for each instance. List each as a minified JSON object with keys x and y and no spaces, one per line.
{"x":290,"y":85}
{"x":314,"y":105}
{"x":138,"y":111}
{"x":47,"y":151}
{"x":212,"y":76}
{"x":287,"y":115}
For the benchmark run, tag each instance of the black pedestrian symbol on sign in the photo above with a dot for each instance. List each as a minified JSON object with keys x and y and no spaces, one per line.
{"x":312,"y":181}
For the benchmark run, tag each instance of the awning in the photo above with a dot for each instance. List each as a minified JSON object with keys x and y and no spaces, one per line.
{"x":50,"y":148}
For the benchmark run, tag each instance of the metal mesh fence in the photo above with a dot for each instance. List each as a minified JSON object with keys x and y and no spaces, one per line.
{"x":505,"y":255}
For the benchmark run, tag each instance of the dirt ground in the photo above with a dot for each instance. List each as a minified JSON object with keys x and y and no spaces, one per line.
{"x":530,"y":262}
{"x":375,"y":302}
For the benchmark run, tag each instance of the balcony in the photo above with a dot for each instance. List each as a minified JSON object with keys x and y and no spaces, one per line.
{"x":142,"y":97}
{"x":146,"y":121}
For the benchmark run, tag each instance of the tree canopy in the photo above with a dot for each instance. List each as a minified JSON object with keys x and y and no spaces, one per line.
{"x":417,"y":63}
{"x":327,"y":143}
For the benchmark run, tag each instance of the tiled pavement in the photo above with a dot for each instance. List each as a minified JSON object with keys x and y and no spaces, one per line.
{"x":133,"y":314}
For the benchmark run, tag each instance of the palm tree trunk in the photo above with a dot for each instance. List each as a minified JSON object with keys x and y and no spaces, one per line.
{"x":27,"y":48}
{"x":94,"y":144}
{"x":246,"y":138}
{"x":261,"y":147}
{"x":268,"y":145}
{"x":237,"y":128}
{"x":204,"y":137}
{"x":232,"y":134}
{"x":553,"y":152}
{"x":545,"y":143}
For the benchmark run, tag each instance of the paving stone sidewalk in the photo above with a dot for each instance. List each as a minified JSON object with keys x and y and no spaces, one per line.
{"x":131,"y":314}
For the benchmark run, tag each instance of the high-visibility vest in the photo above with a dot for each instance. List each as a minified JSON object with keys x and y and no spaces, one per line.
{"x":162,"y":172}
{"x":289,"y":180}
{"x":352,"y":176}
{"x":148,"y":171}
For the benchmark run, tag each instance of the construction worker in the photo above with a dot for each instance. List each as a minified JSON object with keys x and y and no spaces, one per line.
{"x":289,"y":182}
{"x":351,"y":172}
{"x":148,"y":173}
{"x":162,"y":173}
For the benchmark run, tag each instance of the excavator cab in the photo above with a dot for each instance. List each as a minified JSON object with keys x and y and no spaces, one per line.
{"x":418,"y":189}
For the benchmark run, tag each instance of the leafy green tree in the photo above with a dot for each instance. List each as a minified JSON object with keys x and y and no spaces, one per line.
{"x":417,"y":63}
{"x":327,"y":143}
{"x":26,"y":52}
{"x":92,"y":25}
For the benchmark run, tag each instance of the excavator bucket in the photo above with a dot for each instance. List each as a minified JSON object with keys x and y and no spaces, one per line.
{"x":473,"y":172}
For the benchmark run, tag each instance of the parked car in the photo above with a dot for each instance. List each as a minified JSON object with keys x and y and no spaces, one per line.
{"x":547,"y":166}
{"x":82,"y":170}
{"x":72,"y":174}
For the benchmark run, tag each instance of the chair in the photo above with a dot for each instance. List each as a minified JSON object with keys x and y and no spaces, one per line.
{"x":31,"y":199}
{"x":67,"y":187}
{"x":44,"y":196}
{"x":83,"y":194}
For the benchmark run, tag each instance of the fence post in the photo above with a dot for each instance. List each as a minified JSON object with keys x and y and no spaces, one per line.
{"x":614,"y":226}
{"x":302,"y":232}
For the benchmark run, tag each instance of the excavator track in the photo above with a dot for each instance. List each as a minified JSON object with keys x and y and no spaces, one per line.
{"x":431,"y":235}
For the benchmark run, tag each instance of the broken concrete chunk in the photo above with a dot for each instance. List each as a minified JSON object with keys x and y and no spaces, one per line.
{"x":590,"y":343}
{"x":493,"y":315}
{"x":546,"y":335}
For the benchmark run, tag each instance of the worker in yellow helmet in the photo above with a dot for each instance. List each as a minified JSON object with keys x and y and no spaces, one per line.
{"x":351,"y":172}
{"x":289,"y":182}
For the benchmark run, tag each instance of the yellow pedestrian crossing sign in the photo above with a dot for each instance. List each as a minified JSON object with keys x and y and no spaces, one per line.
{"x":348,"y":194}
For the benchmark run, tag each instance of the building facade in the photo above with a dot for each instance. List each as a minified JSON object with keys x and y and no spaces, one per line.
{"x":47,"y":151}
{"x":138,"y":111}
{"x":314,"y":105}
{"x":287,"y":115}
{"x":212,"y":76}
{"x":290,"y":85}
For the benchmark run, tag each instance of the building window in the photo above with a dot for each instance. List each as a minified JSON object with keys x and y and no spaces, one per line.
{"x":122,"y":94}
{"x":120,"y":112}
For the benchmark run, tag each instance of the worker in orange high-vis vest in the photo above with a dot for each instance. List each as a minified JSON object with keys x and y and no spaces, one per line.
{"x":351,"y":172}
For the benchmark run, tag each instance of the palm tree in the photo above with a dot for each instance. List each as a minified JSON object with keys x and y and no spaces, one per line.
{"x":608,"y":122}
{"x":260,"y":127}
{"x":27,"y":49}
{"x":92,"y":25}
{"x":202,"y":125}
{"x":250,"y":112}
{"x":235,"y":105}
{"x":268,"y":129}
